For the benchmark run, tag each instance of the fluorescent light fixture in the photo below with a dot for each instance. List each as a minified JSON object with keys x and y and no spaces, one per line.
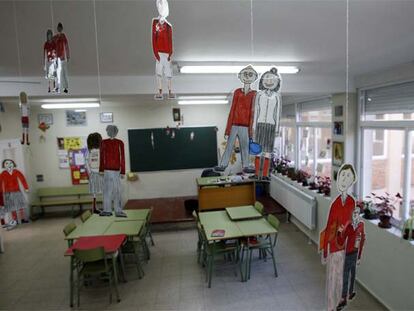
{"x":77,"y":105}
{"x":203,"y":102}
{"x":80,"y":110}
{"x":189,"y":97}
{"x":67,"y":100}
{"x":223,"y":69}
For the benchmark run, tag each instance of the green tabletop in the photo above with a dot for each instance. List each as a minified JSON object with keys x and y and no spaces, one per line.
{"x":128,"y":227}
{"x":132,"y":214}
{"x":243,"y":212}
{"x":95,"y":225}
{"x":219,"y":221}
{"x":255,"y":227}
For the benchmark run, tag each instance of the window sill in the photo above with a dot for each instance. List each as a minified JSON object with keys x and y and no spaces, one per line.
{"x":393,"y":230}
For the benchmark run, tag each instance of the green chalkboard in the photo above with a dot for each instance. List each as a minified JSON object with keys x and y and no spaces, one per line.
{"x":172,"y":153}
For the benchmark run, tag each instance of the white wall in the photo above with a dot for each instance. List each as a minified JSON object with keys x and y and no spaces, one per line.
{"x":42,"y":156}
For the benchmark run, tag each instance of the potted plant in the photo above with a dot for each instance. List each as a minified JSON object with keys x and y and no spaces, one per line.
{"x":368,"y":209}
{"x":324,"y":185}
{"x":291,"y":172}
{"x":385,"y":204}
{"x":408,"y":229}
{"x":302,"y":177}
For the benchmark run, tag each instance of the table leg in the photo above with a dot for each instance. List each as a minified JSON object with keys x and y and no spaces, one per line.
{"x":121,"y":259}
{"x":115,"y":277}
{"x":71,"y":282}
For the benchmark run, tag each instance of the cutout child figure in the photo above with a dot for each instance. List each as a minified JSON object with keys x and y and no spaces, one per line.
{"x":354,"y":237}
{"x":25,"y":113}
{"x":268,"y":105}
{"x":112,"y":164}
{"x":14,"y":201}
{"x":92,"y":165}
{"x":62,"y":54}
{"x":240,"y":120}
{"x":333,"y":253}
{"x":50,"y":60}
{"x":162,"y":45}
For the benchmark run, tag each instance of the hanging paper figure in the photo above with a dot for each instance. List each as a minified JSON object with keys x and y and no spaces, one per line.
{"x":63,"y":56}
{"x":92,"y":165}
{"x":333,"y":252}
{"x":267,"y":110}
{"x":50,"y":61}
{"x":240,"y":120}
{"x":25,"y":113}
{"x":112,"y":164}
{"x":14,"y":201}
{"x":162,"y":45}
{"x":352,"y":238}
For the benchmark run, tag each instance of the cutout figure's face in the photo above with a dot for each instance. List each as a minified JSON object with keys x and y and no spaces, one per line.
{"x":8,"y":165}
{"x":163,"y":9}
{"x":112,"y":131}
{"x":345,"y":180}
{"x":355,"y":216}
{"x":270,"y":81}
{"x":248,"y":75}
{"x":60,"y":29}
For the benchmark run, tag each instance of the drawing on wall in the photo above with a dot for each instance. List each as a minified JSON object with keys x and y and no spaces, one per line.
{"x":76,"y":118}
{"x":240,"y":120}
{"x":162,"y":46}
{"x":176,"y":114}
{"x":50,"y":63}
{"x":62,"y":56}
{"x":338,"y":153}
{"x":25,"y":113}
{"x":266,"y":124}
{"x":338,"y":128}
{"x":342,"y":241}
{"x":92,"y":165}
{"x":46,"y":118}
{"x":107,"y":117}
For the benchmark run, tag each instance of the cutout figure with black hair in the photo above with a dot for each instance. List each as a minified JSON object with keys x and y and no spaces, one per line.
{"x":92,"y":165}
{"x":11,"y":180}
{"x":63,"y":55}
{"x":240,"y":120}
{"x":50,"y":60}
{"x":333,"y":252}
{"x":112,"y":165}
{"x":25,"y":113}
{"x":162,"y":46}
{"x":268,"y":105}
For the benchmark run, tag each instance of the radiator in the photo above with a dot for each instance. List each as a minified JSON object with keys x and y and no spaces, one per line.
{"x":295,"y":201}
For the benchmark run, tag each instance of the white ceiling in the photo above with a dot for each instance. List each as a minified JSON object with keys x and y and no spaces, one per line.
{"x":310,"y":33}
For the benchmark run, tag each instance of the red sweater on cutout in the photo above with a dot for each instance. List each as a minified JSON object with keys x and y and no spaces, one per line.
{"x":112,"y":156}
{"x":349,"y":235}
{"x":241,"y":112}
{"x":10,"y":182}
{"x":161,"y":38}
{"x":49,"y":50}
{"x":62,"y":46}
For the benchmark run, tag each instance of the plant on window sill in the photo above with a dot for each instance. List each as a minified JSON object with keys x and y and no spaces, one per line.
{"x":324,"y":185}
{"x":302,"y":177}
{"x":385,"y":205}
{"x":367,"y":207}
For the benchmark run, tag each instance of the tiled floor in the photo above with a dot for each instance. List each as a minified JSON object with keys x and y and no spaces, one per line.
{"x":34,"y":276}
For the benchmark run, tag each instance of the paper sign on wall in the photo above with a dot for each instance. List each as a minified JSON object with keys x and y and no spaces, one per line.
{"x":72,"y":143}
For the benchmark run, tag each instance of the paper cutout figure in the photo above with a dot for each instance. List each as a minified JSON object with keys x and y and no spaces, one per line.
{"x":267,"y":110}
{"x":50,"y":61}
{"x":240,"y":120}
{"x":162,"y":45}
{"x":339,"y":239}
{"x":92,"y":166}
{"x":14,"y":201}
{"x":112,"y":164}
{"x":63,"y":56}
{"x":25,"y":113}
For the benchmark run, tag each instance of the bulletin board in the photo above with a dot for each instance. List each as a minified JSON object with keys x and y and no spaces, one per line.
{"x":159,"y":149}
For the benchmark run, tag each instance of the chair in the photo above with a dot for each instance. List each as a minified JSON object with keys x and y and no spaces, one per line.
{"x":259,"y":207}
{"x":93,"y":264}
{"x":213,"y":249}
{"x":85,"y":215}
{"x":265,"y":246}
{"x":149,"y":234}
{"x":68,"y":230}
{"x":200,"y":237}
{"x":135,"y":245}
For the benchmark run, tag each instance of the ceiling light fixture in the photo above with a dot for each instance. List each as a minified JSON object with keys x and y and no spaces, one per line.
{"x":77,"y":105}
{"x":204,"y":102}
{"x":224,"y":69}
{"x":66,"y":100}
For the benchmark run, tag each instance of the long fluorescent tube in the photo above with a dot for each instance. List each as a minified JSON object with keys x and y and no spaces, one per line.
{"x":190,"y":97}
{"x":235,"y":69}
{"x":66,"y":100}
{"x":70,"y":105}
{"x":203,"y":102}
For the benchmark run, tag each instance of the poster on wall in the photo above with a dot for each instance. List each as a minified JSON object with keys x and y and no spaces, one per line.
{"x":76,"y":118}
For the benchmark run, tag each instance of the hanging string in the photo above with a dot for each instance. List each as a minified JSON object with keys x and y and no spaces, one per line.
{"x":251,"y":30}
{"x":347,"y":57}
{"x":97,"y":52}
{"x":51,"y":15}
{"x":17,"y":40}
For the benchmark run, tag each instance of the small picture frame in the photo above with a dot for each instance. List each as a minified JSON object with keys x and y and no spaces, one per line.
{"x":338,"y":111}
{"x":107,"y":117}
{"x":76,"y":118}
{"x":338,"y":128}
{"x":338,"y":153}
{"x":46,"y":118}
{"x":176,"y":114}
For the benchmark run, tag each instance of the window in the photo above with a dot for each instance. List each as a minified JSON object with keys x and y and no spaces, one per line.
{"x":319,"y":110}
{"x":386,"y":144}
{"x":285,"y":143}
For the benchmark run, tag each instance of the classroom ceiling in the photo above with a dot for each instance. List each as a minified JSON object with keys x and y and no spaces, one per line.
{"x":309,"y":33}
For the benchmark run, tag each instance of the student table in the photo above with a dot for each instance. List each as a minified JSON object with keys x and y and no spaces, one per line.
{"x":243,"y":212}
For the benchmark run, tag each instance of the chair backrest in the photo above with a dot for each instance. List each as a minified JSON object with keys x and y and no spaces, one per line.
{"x":86,"y":215}
{"x":151,"y":209}
{"x":195,"y":216}
{"x":69,"y":228}
{"x":273,"y":221}
{"x":259,"y":207}
{"x":89,"y":255}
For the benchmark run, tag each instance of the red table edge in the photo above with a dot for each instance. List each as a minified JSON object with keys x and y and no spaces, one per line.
{"x":118,"y":240}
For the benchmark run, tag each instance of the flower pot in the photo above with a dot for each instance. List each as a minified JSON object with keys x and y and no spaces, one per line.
{"x":384,"y":221}
{"x":406,"y":233}
{"x":327,"y":192}
{"x":305,"y":183}
{"x":369,"y":215}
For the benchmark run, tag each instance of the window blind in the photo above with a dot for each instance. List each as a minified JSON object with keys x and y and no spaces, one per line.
{"x":390,"y":99}
{"x":315,"y":105}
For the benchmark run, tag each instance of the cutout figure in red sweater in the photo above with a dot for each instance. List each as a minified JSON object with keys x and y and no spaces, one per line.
{"x":25,"y":113}
{"x":162,"y":46}
{"x":50,"y":60}
{"x":112,"y":164}
{"x":63,"y":56}
{"x":11,"y":179}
